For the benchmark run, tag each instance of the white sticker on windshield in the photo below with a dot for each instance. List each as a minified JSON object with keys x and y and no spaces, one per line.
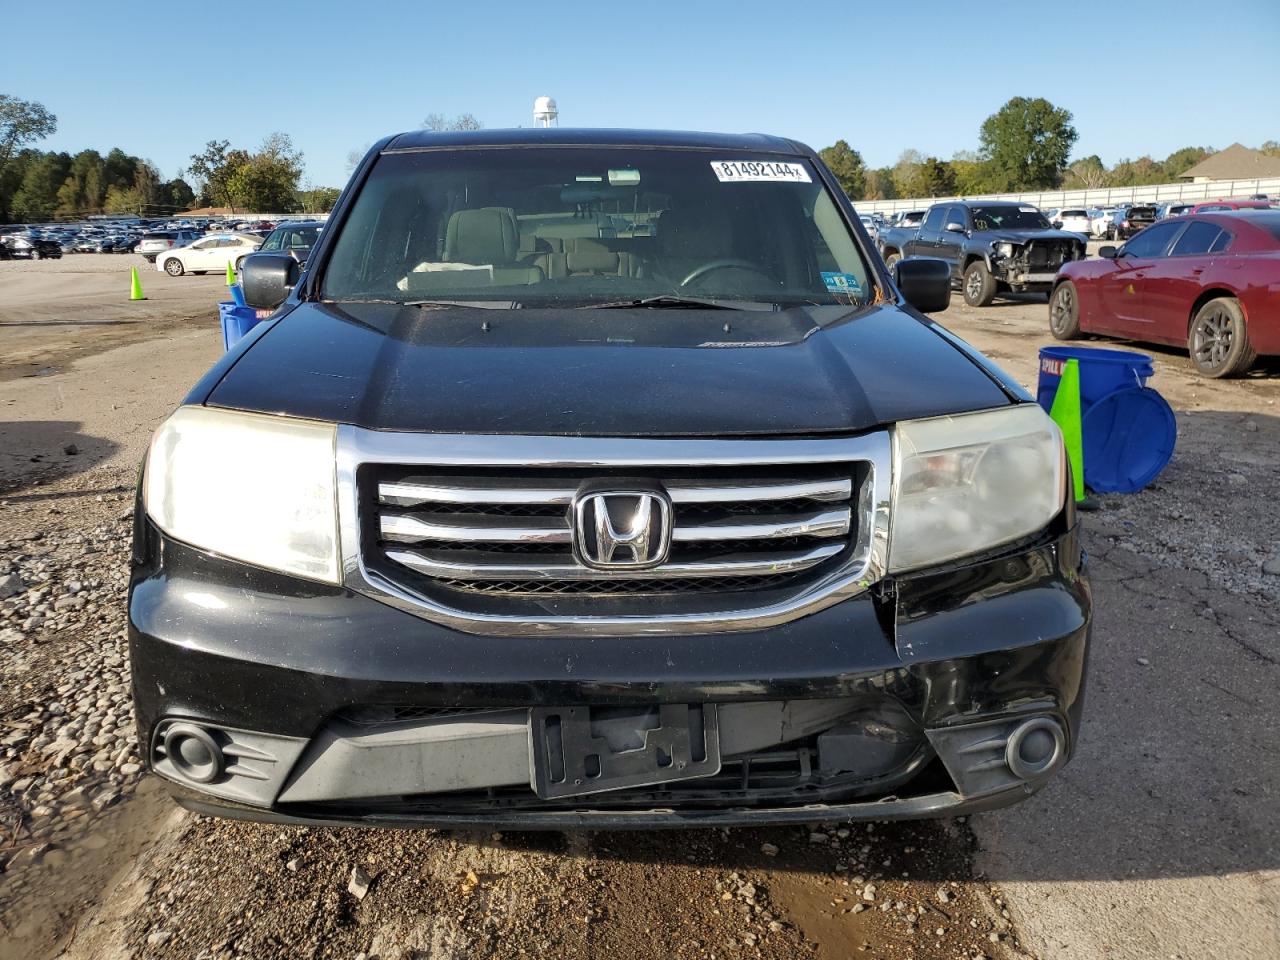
{"x":744,"y":171}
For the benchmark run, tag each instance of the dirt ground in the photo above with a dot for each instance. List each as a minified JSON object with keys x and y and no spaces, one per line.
{"x":1161,"y":839}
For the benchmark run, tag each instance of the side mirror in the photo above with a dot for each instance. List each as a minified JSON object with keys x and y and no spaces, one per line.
{"x":954,"y":227}
{"x":924,"y":282}
{"x":1108,"y":252}
{"x":267,"y":279}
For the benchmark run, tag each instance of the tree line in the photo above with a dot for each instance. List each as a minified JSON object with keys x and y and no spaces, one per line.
{"x":38,"y":185}
{"x":1024,"y":146}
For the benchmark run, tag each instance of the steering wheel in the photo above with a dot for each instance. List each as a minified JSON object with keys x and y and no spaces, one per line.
{"x":699,"y":272}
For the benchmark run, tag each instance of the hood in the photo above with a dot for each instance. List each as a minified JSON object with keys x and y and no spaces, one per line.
{"x":630,"y":372}
{"x":1023,"y":234}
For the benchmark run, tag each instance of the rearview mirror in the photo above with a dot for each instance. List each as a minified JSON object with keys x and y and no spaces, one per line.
{"x":924,"y":282}
{"x":954,"y":227}
{"x":1108,"y":252}
{"x":267,"y":279}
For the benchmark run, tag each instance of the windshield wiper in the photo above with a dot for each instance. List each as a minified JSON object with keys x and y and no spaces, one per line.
{"x":670,"y":302}
{"x":478,"y":304}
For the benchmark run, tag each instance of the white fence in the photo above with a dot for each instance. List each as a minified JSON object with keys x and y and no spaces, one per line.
{"x":1102,"y":196}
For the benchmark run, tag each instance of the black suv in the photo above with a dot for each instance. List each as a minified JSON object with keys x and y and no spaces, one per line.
{"x":603,"y":478}
{"x":992,"y":247}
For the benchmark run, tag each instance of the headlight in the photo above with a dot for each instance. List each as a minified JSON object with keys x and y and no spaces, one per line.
{"x":251,"y":487}
{"x":968,"y":483}
{"x":1004,"y":249}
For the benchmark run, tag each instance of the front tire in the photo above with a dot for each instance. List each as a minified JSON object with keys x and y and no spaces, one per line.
{"x":1219,"y":339}
{"x":979,"y":285}
{"x":173,"y":267}
{"x":1064,"y":311}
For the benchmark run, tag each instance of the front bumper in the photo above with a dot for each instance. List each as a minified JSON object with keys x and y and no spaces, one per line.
{"x":946,"y":661}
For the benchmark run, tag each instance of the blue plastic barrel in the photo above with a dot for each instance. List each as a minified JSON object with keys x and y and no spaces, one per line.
{"x":1128,"y":429}
{"x":1128,"y":439}
{"x":1101,"y":372}
{"x":236,"y":322}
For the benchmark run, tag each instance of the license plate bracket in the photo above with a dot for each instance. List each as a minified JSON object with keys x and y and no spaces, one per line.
{"x":575,"y":753}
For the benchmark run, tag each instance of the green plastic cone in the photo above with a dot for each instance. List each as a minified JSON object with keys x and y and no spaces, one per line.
{"x":1066,"y":414}
{"x":135,"y":285}
{"x":231,"y":274}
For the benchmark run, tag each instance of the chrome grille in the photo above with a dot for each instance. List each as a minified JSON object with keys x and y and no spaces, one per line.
{"x":474,"y":532}
{"x":513,"y":534}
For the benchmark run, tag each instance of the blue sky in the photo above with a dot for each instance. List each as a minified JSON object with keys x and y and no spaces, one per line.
{"x":158,"y":80}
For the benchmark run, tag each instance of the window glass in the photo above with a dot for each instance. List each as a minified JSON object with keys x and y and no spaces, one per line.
{"x":1152,"y":241}
{"x":935,"y":218}
{"x":1223,"y":242}
{"x":584,"y":225}
{"x":1197,"y":238}
{"x":957,"y":215}
{"x":274,"y":241}
{"x":302,"y":238}
{"x":1005,"y":217}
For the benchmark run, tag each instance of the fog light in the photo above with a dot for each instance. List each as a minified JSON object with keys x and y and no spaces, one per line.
{"x":1035,"y":748}
{"x":193,"y":752}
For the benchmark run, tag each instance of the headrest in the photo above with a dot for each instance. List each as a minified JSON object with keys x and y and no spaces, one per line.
{"x":592,"y":261}
{"x":481,"y":236}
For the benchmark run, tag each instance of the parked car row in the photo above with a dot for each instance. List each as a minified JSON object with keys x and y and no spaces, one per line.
{"x":1124,"y":220}
{"x":135,"y":235}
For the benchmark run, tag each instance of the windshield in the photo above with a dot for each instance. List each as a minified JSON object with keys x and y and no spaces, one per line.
{"x":1005,"y":218}
{"x":584,"y":226}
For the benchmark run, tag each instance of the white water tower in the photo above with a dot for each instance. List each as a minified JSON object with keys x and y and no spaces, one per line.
{"x":545,"y":113}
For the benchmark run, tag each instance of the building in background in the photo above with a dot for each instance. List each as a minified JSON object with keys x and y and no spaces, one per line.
{"x":1237,"y":162}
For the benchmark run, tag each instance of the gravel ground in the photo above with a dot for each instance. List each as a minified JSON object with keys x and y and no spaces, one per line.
{"x":1160,"y":839}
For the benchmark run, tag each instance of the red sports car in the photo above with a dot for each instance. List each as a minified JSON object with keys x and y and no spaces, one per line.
{"x":1210,"y":281}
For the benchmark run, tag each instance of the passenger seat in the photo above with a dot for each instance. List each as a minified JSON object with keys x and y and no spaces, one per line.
{"x":486,"y":239}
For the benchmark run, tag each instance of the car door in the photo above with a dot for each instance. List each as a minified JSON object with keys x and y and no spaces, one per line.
{"x":950,"y":243}
{"x":1173,"y":282}
{"x":226,"y":252}
{"x":199,"y":255}
{"x":1120,"y":293}
{"x":925,"y":242}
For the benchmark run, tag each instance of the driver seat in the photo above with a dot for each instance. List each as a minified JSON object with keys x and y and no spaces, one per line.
{"x":689,"y":237}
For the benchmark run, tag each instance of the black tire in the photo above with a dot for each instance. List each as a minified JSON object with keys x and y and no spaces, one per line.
{"x":979,"y":285}
{"x":1218,"y":340}
{"x":35,"y":255}
{"x":173,"y":267}
{"x":1064,"y":311}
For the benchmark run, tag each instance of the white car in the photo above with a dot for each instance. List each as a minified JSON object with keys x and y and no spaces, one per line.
{"x":212,"y":252}
{"x":1100,"y":223}
{"x":1073,"y":220}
